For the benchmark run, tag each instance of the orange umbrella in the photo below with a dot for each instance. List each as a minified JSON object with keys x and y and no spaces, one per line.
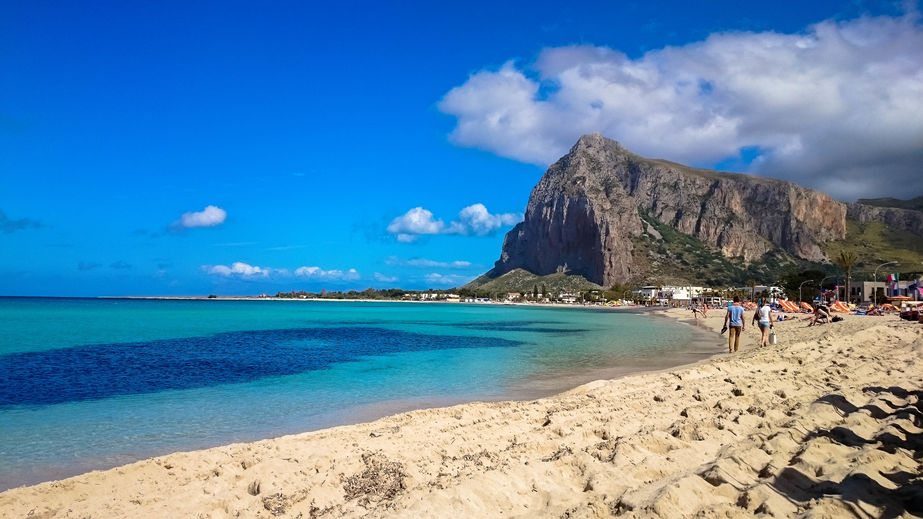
{"x":839,"y":306}
{"x":806,"y":306}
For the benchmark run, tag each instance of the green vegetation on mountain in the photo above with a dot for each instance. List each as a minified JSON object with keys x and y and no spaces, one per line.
{"x":914,"y":203}
{"x":614,"y":217}
{"x":669,"y":257}
{"x":676,"y":258}
{"x":519,"y":280}
{"x":874,"y":243}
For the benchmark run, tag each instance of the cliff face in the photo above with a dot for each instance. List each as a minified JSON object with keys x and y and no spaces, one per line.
{"x":585,"y":215}
{"x":904,"y":219}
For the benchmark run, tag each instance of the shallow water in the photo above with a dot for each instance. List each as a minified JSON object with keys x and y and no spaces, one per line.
{"x":94,"y":383}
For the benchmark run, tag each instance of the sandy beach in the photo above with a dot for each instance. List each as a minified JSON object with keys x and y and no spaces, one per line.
{"x":827,"y":423}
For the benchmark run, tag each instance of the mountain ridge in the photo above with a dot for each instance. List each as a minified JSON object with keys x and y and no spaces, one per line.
{"x":597,"y":210}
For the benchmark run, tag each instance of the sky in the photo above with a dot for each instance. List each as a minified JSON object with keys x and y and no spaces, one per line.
{"x":234,"y":148}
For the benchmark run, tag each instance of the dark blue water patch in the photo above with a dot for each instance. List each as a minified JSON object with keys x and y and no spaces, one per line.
{"x":508,"y":327}
{"x":493,"y":326}
{"x":104,"y":370}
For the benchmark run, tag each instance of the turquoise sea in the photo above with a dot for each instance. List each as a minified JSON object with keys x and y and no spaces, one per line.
{"x":95,"y":383}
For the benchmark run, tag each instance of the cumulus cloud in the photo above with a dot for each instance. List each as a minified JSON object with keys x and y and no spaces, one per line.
{"x":426,"y":263}
{"x":473,"y":220}
{"x":208,"y":217}
{"x":239,"y":269}
{"x":8,"y":226}
{"x":447,"y":280}
{"x":838,"y":107}
{"x":243,"y":270}
{"x":319,"y":273}
{"x":413,"y":223}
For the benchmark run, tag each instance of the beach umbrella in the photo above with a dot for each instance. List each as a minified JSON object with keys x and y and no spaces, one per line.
{"x":840,"y":307}
{"x":900,"y":298}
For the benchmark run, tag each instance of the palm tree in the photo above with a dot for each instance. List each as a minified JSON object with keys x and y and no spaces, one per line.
{"x":847,"y":259}
{"x":752,"y":284}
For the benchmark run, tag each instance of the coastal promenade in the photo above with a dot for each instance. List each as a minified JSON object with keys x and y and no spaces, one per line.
{"x":826,"y":423}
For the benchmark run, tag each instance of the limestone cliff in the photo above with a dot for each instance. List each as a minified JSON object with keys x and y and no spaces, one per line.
{"x":591,"y":208}
{"x":909,"y":220}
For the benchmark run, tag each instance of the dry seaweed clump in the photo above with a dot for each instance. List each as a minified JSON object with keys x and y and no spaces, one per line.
{"x":276,"y":504}
{"x":382,"y":479}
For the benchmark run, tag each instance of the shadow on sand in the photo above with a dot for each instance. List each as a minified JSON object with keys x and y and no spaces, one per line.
{"x":858,"y":487}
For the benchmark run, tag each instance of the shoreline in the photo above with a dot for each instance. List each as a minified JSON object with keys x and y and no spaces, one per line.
{"x":699,"y":346}
{"x":623,"y":442}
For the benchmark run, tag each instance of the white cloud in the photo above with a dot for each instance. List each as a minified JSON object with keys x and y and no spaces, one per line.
{"x":472,"y":220}
{"x":244,"y":270}
{"x":415,"y":221}
{"x":240,"y":269}
{"x":835,"y":107}
{"x":426,"y":263}
{"x":319,"y":273}
{"x":208,"y":217}
{"x":475,"y":219}
{"x":447,"y":280}
{"x":385,"y":278}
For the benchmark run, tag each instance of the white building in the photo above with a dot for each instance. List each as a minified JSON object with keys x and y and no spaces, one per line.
{"x":670,"y":292}
{"x":648,"y":292}
{"x":681,"y":293}
{"x":569,"y":298}
{"x":864,"y":291}
{"x":772,"y":292}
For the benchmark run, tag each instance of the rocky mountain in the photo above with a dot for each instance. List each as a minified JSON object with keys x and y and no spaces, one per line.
{"x":913,"y":203}
{"x":612,"y":216}
{"x":910,"y":220}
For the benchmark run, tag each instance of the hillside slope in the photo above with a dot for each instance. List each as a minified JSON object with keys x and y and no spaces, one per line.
{"x":610,"y":216}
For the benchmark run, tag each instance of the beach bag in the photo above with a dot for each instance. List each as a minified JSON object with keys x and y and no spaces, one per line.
{"x":772,"y":337}
{"x":837,"y":318}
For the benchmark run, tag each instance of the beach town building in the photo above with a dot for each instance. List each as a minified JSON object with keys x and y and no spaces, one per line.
{"x":681,"y":293}
{"x":568,"y":298}
{"x":864,"y":291}
{"x":670,"y":292}
{"x":648,"y":292}
{"x":772,"y":292}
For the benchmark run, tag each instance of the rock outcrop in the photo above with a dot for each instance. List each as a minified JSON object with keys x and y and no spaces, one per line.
{"x":587,"y":213}
{"x":904,"y":219}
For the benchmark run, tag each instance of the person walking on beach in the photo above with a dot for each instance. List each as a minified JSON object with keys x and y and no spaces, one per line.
{"x":734,"y":320}
{"x":763,"y":319}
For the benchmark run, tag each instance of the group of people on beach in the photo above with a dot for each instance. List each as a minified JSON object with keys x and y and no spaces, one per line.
{"x":734,"y":323}
{"x":696,"y":309}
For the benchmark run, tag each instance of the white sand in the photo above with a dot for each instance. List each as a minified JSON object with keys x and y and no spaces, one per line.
{"x":825,"y":424}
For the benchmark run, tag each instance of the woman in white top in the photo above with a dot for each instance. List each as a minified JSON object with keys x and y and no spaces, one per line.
{"x":763,"y":318}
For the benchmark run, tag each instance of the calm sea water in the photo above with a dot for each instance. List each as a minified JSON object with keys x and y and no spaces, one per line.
{"x":95,"y":383}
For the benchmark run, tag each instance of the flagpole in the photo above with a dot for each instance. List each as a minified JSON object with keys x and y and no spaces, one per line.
{"x":875,"y":278}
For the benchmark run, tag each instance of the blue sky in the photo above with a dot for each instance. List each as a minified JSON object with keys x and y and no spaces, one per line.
{"x":238,"y":148}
